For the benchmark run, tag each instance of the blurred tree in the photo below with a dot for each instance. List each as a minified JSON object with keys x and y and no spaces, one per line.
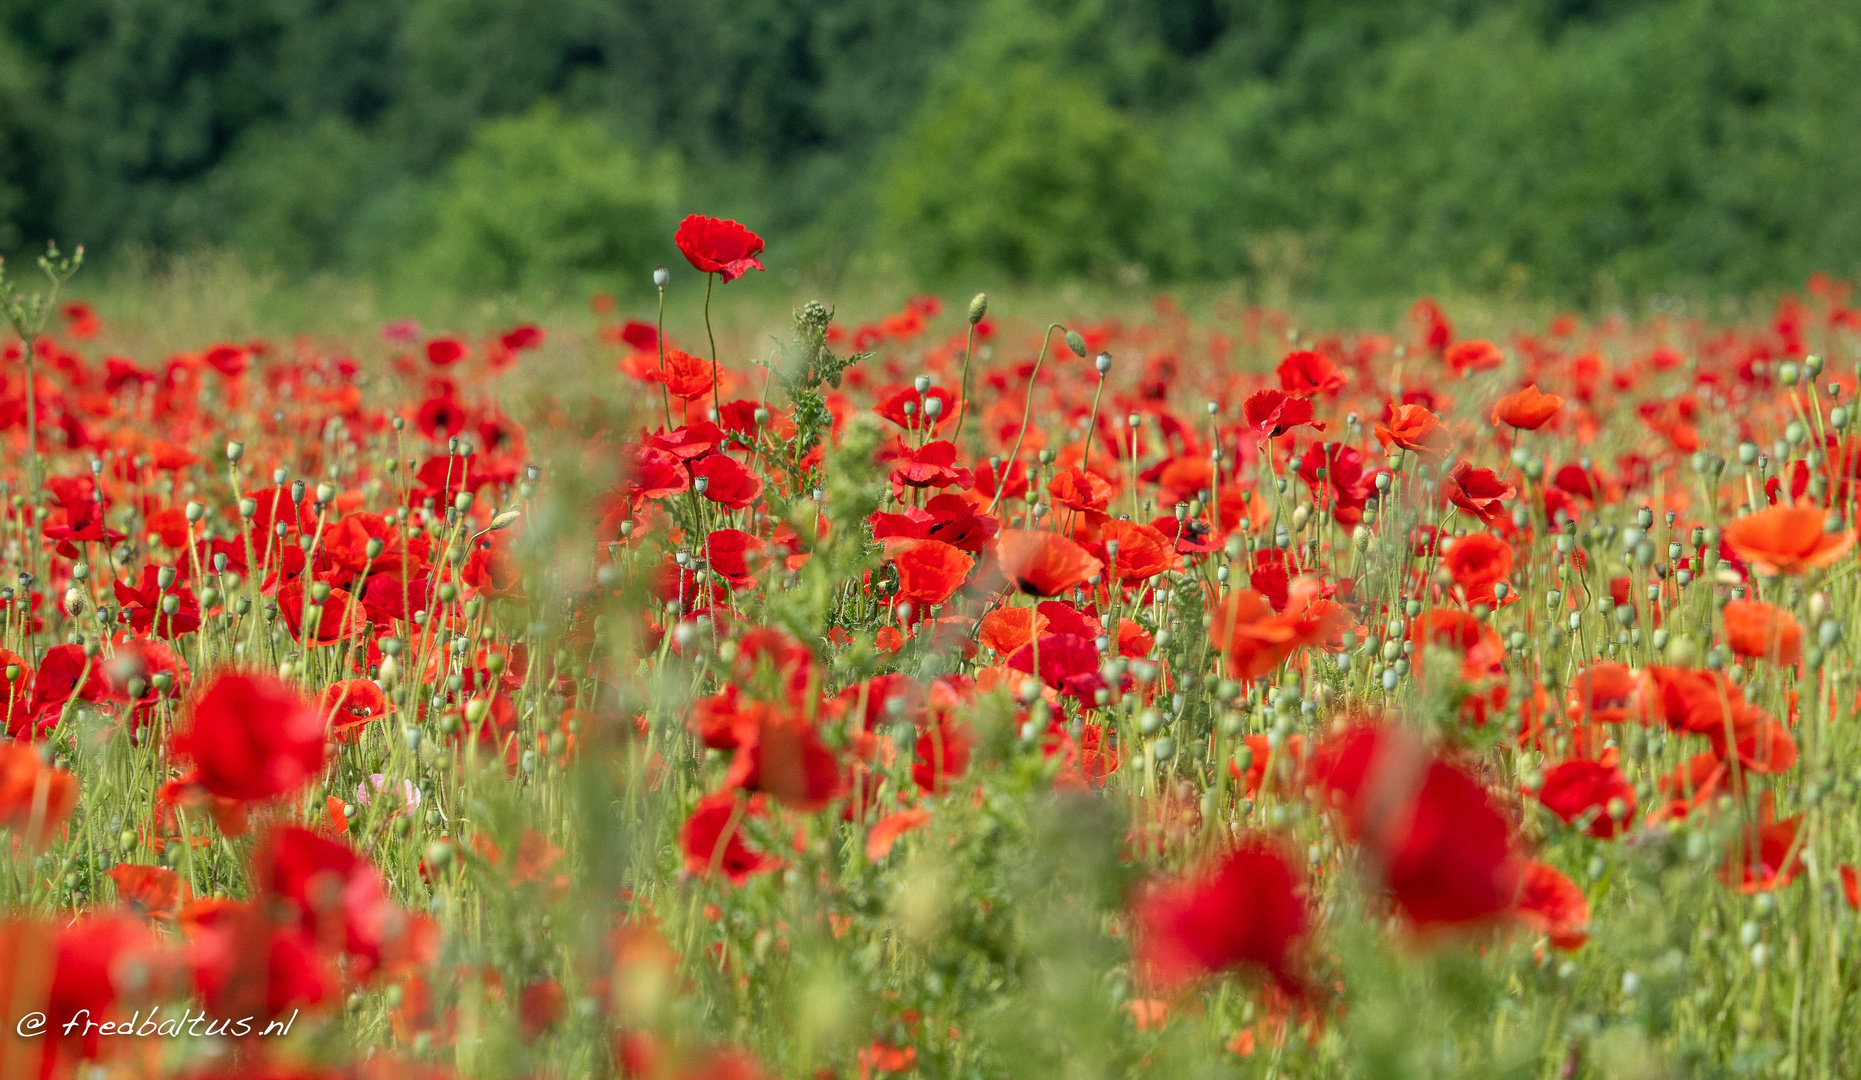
{"x":1546,"y":144}
{"x":1023,"y":172}
{"x":544,"y":198}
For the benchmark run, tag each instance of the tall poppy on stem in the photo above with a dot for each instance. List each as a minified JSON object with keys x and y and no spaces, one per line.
{"x":719,"y":248}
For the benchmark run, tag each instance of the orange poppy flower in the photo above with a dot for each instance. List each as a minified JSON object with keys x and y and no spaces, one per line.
{"x":1787,"y":540}
{"x":1478,"y":562}
{"x":1476,"y":354}
{"x":1007,"y":629}
{"x":1077,"y":489}
{"x":1763,"y":631}
{"x":685,"y":376}
{"x":32,"y":792}
{"x":1043,"y":563}
{"x":928,"y":570}
{"x":1143,"y":551}
{"x":1527,"y":410}
{"x":1414,"y":428}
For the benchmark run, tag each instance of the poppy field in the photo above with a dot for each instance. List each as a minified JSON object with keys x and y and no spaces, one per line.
{"x":942,"y":692}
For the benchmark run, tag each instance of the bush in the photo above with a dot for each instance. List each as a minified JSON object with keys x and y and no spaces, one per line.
{"x":544,"y":198}
{"x":1029,"y":173}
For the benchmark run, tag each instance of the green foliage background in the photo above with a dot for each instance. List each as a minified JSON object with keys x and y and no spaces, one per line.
{"x":1556,"y":148}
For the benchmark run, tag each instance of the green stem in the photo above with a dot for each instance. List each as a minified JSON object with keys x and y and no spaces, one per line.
{"x":1027,"y":412}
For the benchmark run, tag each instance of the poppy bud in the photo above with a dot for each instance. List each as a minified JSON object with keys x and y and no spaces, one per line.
{"x":661,"y":277}
{"x":978,"y":308}
{"x":506,"y":520}
{"x":1076,"y":343}
{"x":195,"y":511}
{"x":165,"y":576}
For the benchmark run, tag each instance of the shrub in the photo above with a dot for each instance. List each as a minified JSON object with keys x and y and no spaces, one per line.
{"x":1029,"y":172}
{"x":545,"y":197}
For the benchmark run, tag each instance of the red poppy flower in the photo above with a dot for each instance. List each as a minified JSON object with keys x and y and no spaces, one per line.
{"x":1444,"y":848}
{"x":1044,"y":563}
{"x":919,"y":418}
{"x":1787,"y":540}
{"x":1572,"y":789}
{"x":253,"y":737}
{"x":1687,"y":699}
{"x":154,"y":892}
{"x":522,"y":336}
{"x":685,"y":377}
{"x":1254,"y":638}
{"x":1274,"y":412}
{"x":941,"y":754}
{"x":1309,"y":372}
{"x":720,"y":247}
{"x":713,"y":838}
{"x":1477,"y":563}
{"x":229,"y":360}
{"x":1763,"y":632}
{"x":89,"y":959}
{"x":244,"y":966}
{"x":1414,"y":428}
{"x":492,"y":571}
{"x":1766,"y":858}
{"x":949,"y":517}
{"x":445,"y":351}
{"x":885,"y":833}
{"x":337,"y":618}
{"x":1763,"y":745}
{"x":780,"y":752}
{"x":351,"y":705}
{"x":727,"y":481}
{"x":1602,"y":693}
{"x":340,"y":900}
{"x":1009,"y":483}
{"x":1527,"y":410}
{"x":928,"y":571}
{"x":1246,"y":909}
{"x":931,"y":465}
{"x":1458,"y":632}
{"x":1553,"y":905}
{"x":1479,"y":492}
{"x":1067,"y":662}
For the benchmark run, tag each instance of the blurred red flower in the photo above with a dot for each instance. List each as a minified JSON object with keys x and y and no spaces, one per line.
{"x":1246,"y":909}
{"x":253,"y":737}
